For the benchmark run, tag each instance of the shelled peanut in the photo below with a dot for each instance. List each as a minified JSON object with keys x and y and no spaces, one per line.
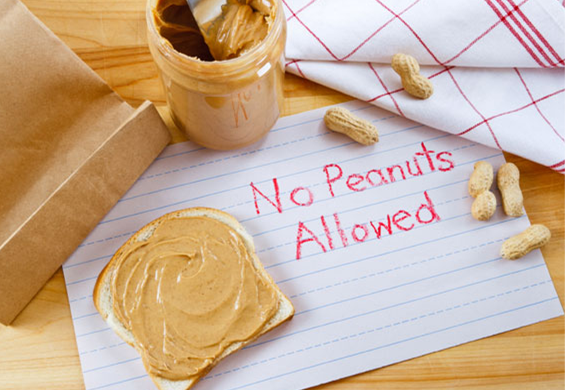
{"x":343,"y":121}
{"x":409,"y":71}
{"x":484,"y":205}
{"x":508,"y":179}
{"x":521,"y":244}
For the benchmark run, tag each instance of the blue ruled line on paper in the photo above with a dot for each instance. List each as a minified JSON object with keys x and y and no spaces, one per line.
{"x":359,"y":260}
{"x":85,"y":316}
{"x":234,"y":172}
{"x":80,"y":298}
{"x":86,"y":261}
{"x":400,"y":342}
{"x":397,"y":323}
{"x":93,"y":332}
{"x":369,"y":188}
{"x":392,"y":251}
{"x":104,"y":348}
{"x":375,"y":274}
{"x":356,"y":208}
{"x":246,"y":220}
{"x":266,"y":148}
{"x":365,"y":351}
{"x":242,"y":186}
{"x":180,"y":153}
{"x":384,"y":237}
{"x":282,"y":161}
{"x":118,"y":383}
{"x":396,"y":287}
{"x":267,"y":214}
{"x":112,"y":365}
{"x":447,"y":309}
{"x":234,"y":156}
{"x":82,"y":280}
{"x":373,"y":311}
{"x":440,"y":256}
{"x":331,"y":231}
{"x":318,"y":305}
{"x":366,"y":258}
{"x":251,"y":201}
{"x":381,"y":309}
{"x":400,"y":267}
{"x":319,"y":119}
{"x":276,"y":129}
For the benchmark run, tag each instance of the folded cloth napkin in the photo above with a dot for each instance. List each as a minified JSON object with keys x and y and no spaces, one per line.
{"x":497,"y":65}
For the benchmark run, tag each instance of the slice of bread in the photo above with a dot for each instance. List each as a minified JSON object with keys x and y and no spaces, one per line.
{"x":104,"y":302}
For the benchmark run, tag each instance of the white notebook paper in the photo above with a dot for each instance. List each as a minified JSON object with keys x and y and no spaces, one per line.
{"x":375,"y":246}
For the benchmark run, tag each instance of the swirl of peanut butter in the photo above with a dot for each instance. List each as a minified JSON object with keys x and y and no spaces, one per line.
{"x":239,"y":28}
{"x":188,"y":292}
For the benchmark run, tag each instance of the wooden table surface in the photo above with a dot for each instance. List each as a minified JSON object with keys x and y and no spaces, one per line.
{"x":39,"y":350}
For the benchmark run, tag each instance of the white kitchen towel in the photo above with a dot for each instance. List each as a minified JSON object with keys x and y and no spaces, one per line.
{"x":497,"y":65}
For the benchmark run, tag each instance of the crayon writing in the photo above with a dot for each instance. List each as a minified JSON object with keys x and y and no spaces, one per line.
{"x":329,"y":233}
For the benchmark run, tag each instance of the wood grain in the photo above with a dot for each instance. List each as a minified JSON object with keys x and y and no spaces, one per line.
{"x":39,"y":350}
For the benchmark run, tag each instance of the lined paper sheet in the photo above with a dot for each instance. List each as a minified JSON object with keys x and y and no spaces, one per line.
{"x":375,"y":246}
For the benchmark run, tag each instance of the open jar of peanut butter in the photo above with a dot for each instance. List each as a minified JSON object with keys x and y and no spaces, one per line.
{"x":222,"y":103}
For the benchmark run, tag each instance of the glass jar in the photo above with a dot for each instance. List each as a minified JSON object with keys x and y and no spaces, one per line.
{"x":223,"y":104}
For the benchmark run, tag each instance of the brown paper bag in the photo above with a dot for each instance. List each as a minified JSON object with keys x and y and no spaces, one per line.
{"x":69,"y":149}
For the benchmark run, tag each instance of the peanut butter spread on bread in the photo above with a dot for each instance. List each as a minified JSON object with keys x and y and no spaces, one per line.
{"x":239,"y":28}
{"x":187,"y":293}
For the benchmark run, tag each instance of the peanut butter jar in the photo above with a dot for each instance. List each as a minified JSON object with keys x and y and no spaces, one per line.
{"x":219,"y":104}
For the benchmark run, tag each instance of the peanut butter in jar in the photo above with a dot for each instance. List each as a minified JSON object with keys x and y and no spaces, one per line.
{"x":224,"y":90}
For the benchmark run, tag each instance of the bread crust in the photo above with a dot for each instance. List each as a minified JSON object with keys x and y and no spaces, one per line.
{"x":285,"y":308}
